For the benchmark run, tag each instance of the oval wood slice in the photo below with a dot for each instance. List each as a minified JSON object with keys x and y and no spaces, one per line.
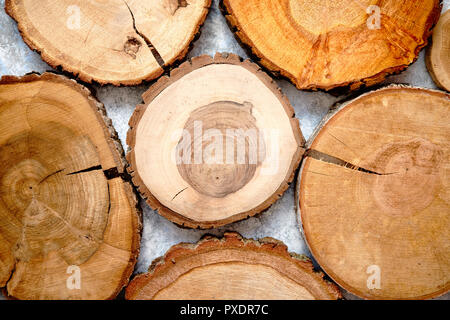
{"x":327,"y":44}
{"x":374,"y":194}
{"x":214,"y":143}
{"x":65,"y":210}
{"x":438,"y":54}
{"x":121,"y":42}
{"x":231,"y":268}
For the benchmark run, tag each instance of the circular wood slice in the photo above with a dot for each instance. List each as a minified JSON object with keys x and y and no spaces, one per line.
{"x":327,"y":44}
{"x":121,"y":42}
{"x":215,"y":143}
{"x":438,"y":54}
{"x":231,"y":268}
{"x":374,"y":192}
{"x":64,"y":206}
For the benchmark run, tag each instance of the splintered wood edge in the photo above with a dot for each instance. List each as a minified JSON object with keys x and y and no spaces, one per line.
{"x":175,"y":75}
{"x":334,"y":110}
{"x":230,"y":240}
{"x":268,"y":65}
{"x":9,"y":9}
{"x":116,"y":150}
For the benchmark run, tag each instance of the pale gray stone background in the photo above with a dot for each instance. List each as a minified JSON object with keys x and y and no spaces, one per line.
{"x":159,"y":234}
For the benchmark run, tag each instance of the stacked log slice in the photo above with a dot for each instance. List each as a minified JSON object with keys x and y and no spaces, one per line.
{"x":214,"y":143}
{"x":231,"y":268}
{"x":329,"y":44}
{"x":374,"y":194}
{"x":438,"y":54}
{"x":121,"y":42}
{"x":69,"y":226}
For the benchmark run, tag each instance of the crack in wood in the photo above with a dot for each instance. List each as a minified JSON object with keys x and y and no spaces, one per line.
{"x":11,"y":274}
{"x":94,"y":168}
{"x":152,"y":48}
{"x":50,"y":175}
{"x":317,"y":155}
{"x":179,"y":193}
{"x":110,"y":174}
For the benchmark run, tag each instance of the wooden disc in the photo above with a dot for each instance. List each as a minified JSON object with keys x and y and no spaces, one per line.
{"x":438,"y":54}
{"x":214,"y":143}
{"x":231,"y":268}
{"x":65,"y":209}
{"x":121,"y":42}
{"x":327,"y":44}
{"x":374,"y":194}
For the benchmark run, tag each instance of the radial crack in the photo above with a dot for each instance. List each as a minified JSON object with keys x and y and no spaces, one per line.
{"x":95,"y":168}
{"x":110,"y":174}
{"x":50,"y":175}
{"x":155,"y":52}
{"x":317,"y":155}
{"x":179,"y":193}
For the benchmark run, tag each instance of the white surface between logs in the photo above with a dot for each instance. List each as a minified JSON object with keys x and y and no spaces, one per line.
{"x":159,"y":234}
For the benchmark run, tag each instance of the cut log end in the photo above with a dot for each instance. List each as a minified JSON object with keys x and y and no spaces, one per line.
{"x":63,"y":212}
{"x":224,"y":148}
{"x":381,"y":201}
{"x":231,"y":268}
{"x":438,"y":54}
{"x":335,"y":44}
{"x":120,"y":43}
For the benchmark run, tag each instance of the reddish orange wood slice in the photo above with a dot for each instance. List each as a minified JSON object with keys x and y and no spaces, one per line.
{"x":322,"y":44}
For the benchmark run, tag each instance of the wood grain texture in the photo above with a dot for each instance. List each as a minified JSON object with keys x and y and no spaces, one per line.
{"x":231,"y":268}
{"x":328,"y":44}
{"x":63,"y":198}
{"x":374,"y":193}
{"x":220,"y":94}
{"x":120,"y":42}
{"x":438,"y":54}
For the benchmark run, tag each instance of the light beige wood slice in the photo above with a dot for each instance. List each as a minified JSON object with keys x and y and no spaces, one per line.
{"x":65,"y":208}
{"x":214,"y":143}
{"x":322,"y":44}
{"x":231,"y":268}
{"x":438,"y":54}
{"x":121,"y":42}
{"x":374,"y":193}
